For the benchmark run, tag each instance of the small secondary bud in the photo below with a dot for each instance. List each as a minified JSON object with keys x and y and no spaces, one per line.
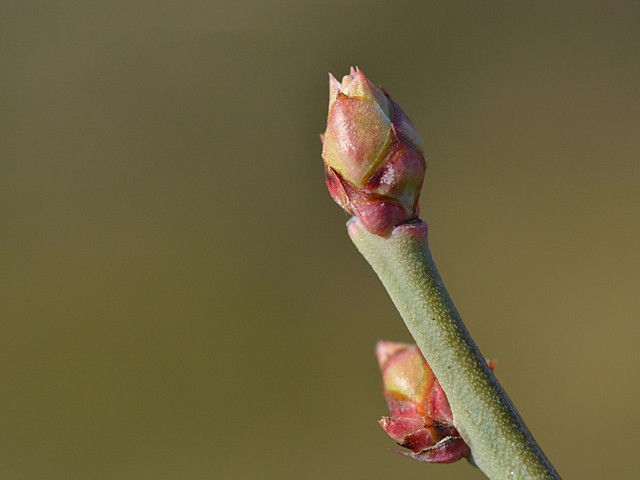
{"x":421,"y":418}
{"x":373,"y":156}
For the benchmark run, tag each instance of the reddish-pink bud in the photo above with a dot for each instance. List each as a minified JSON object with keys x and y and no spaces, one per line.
{"x":421,"y":418}
{"x":373,"y":156}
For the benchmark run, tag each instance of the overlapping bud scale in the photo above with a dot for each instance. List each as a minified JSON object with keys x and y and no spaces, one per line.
{"x":373,"y":156}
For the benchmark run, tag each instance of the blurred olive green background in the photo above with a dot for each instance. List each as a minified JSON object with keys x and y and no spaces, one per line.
{"x":178,"y":296}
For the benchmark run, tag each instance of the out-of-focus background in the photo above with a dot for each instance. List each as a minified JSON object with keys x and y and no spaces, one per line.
{"x":179,"y":298}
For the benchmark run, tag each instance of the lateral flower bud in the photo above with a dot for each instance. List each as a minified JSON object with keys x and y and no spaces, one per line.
{"x":421,"y":418}
{"x":373,"y":156}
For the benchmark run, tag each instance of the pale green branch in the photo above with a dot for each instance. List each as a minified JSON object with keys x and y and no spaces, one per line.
{"x":501,"y":445}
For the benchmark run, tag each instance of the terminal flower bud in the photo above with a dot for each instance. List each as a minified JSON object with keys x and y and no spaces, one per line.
{"x":421,"y":418}
{"x":373,"y":156}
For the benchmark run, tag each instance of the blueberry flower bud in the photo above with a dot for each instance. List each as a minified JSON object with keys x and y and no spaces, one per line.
{"x":373,"y":156}
{"x":421,"y":418}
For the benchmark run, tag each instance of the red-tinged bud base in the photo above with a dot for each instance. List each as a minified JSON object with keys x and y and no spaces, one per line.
{"x":448,"y":450}
{"x":378,"y":213}
{"x":428,"y":443}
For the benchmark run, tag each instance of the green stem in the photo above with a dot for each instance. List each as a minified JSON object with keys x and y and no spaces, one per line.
{"x":501,"y":445}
